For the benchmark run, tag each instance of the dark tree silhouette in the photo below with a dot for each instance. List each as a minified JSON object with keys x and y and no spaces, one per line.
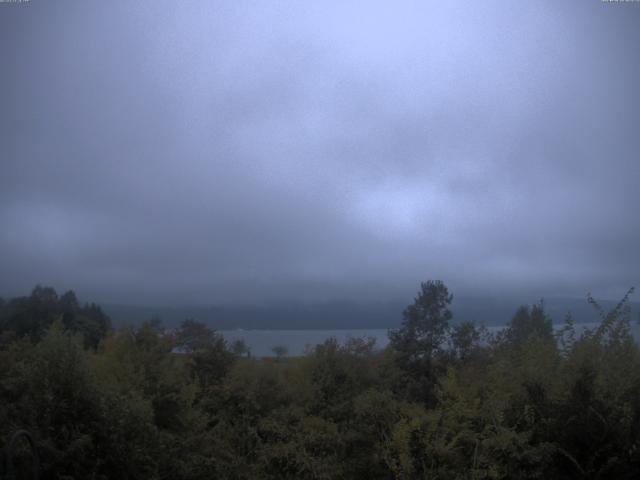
{"x":421,"y":337}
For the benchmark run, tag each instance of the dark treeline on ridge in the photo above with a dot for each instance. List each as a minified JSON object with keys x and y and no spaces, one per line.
{"x":443,"y":400}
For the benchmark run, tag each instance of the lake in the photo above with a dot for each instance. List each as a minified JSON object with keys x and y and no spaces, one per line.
{"x":296,"y":341}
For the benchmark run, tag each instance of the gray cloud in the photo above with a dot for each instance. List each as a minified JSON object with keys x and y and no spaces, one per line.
{"x":211,"y":152}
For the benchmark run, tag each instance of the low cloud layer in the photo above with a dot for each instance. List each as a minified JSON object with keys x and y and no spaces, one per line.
{"x":210,"y":152}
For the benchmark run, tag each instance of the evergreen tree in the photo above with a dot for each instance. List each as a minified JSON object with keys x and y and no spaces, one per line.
{"x":421,"y":338}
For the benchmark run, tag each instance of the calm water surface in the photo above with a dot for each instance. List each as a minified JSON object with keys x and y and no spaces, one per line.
{"x":261,"y":342}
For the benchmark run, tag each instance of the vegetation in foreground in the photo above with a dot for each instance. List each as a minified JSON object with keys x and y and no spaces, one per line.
{"x":442,"y":401}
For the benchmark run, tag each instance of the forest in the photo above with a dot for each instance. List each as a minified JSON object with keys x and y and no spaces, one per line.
{"x":443,"y":400}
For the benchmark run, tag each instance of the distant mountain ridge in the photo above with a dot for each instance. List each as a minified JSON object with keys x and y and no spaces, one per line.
{"x":348,"y":315}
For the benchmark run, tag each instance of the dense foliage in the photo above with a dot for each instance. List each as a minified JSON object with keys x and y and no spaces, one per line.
{"x":442,"y":401}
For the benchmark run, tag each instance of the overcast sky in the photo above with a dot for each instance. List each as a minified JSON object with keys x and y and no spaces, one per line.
{"x":163,"y":152}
